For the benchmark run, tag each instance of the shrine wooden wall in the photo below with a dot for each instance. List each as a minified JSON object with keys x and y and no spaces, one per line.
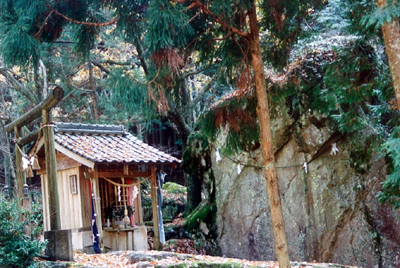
{"x":72,"y":196}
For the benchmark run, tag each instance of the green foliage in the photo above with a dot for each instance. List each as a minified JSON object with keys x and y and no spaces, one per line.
{"x":381,"y":15}
{"x":358,"y":12}
{"x":174,"y":188}
{"x":16,"y":248}
{"x":127,"y":91}
{"x":282,"y":34}
{"x":17,"y":20}
{"x":391,"y":187}
{"x":238,"y":115}
{"x":19,"y":47}
{"x":167,"y":26}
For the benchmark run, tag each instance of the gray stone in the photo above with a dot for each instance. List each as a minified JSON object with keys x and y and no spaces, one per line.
{"x":331,"y":211}
{"x":59,"y":246}
{"x":143,"y":257}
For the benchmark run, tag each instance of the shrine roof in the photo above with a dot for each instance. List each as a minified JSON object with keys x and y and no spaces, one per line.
{"x":107,"y":143}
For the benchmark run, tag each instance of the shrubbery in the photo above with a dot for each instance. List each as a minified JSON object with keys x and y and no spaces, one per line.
{"x":16,"y":248}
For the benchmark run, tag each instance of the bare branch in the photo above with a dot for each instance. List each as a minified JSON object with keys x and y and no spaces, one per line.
{"x":194,"y":72}
{"x":101,"y":67}
{"x":234,"y":30}
{"x":39,"y":33}
{"x":116,"y":62}
{"x":96,"y":24}
{"x":17,"y":85}
{"x":44,"y":72}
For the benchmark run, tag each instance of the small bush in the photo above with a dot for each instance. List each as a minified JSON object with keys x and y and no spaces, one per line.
{"x":16,"y":248}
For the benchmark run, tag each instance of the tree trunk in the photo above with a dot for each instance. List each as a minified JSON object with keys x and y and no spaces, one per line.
{"x":193,"y":184}
{"x":278,"y":224}
{"x":9,"y":174}
{"x":391,"y":35}
{"x":94,"y":95}
{"x":21,"y":177}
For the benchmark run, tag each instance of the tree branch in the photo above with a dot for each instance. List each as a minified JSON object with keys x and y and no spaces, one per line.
{"x":224,"y":25}
{"x":186,"y":75}
{"x":39,"y":33}
{"x":101,"y":67}
{"x":17,"y":85}
{"x":205,"y":90}
{"x":96,"y":24}
{"x":140,"y":52}
{"x":44,"y":72}
{"x":116,"y":62}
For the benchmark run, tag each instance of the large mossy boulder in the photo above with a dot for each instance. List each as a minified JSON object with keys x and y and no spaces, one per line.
{"x":328,"y":184}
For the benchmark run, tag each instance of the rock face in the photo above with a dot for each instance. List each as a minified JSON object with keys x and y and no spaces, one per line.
{"x":330,"y":207}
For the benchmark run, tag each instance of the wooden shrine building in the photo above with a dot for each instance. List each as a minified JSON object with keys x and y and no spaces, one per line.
{"x":99,"y":171}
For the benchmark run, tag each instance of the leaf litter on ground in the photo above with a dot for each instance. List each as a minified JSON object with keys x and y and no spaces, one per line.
{"x":124,"y":259}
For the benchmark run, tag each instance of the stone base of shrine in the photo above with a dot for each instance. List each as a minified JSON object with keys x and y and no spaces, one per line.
{"x":59,"y":245}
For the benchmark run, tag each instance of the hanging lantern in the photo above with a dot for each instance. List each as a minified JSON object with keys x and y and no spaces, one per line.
{"x":6,"y":191}
{"x":25,"y":190}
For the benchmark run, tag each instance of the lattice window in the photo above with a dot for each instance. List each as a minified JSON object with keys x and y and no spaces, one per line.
{"x":112,"y":200}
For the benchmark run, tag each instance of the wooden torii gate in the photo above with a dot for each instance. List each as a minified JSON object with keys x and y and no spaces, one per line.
{"x":42,"y":109}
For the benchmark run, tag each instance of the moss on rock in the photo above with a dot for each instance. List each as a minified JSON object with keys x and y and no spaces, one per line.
{"x":174,"y":188}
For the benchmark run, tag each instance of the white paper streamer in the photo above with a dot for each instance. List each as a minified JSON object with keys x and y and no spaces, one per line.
{"x":25,"y":163}
{"x":217,"y":156}
{"x":334,"y":149}
{"x":305,"y":167}
{"x":239,"y":169}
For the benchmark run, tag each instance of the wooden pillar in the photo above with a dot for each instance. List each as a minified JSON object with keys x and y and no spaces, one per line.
{"x":154,"y":205}
{"x":139,"y":205}
{"x":18,"y":162}
{"x":97,"y":203}
{"x":51,"y":170}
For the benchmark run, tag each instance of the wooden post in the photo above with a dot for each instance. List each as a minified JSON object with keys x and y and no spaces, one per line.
{"x":97,"y":204}
{"x":51,"y":170}
{"x":139,"y":205}
{"x":20,"y":173}
{"x":154,"y":205}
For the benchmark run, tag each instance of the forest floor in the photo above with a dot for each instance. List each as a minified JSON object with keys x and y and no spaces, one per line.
{"x":164,"y":259}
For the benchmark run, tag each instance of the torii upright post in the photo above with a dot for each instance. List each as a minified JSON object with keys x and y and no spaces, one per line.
{"x":60,"y":241}
{"x":154,"y":204}
{"x":51,"y":170}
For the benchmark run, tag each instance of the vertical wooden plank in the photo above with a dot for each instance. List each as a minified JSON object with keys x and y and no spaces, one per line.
{"x":85,"y":198}
{"x":106,"y":187}
{"x":45,"y":193}
{"x":51,"y":170}
{"x":139,"y":205}
{"x":18,"y":165}
{"x":154,"y":204}
{"x":126,"y":169}
{"x":97,"y":203}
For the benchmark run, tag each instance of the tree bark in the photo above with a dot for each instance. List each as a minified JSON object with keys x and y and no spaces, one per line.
{"x":51,"y":171}
{"x":94,"y":96}
{"x":21,"y":178}
{"x":391,"y":36}
{"x":278,"y":224}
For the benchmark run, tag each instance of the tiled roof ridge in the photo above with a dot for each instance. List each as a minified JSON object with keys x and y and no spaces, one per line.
{"x":95,"y":129}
